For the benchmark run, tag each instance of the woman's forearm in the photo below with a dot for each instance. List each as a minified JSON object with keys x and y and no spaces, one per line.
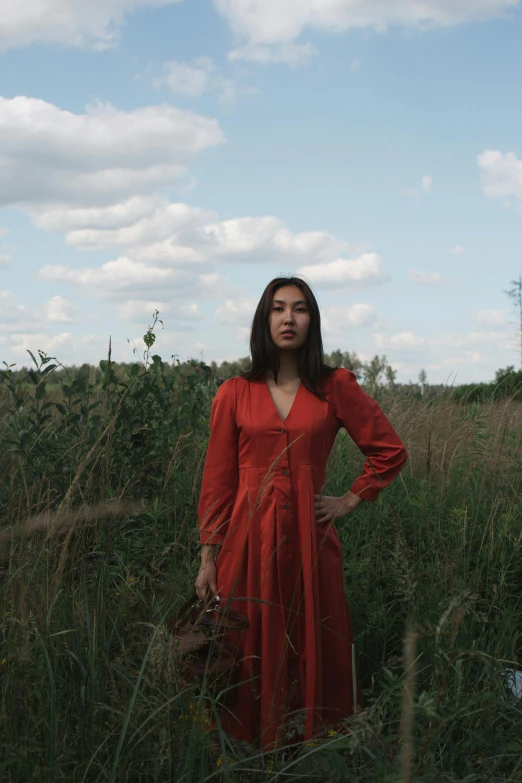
{"x":352,"y":501}
{"x":208,"y":553}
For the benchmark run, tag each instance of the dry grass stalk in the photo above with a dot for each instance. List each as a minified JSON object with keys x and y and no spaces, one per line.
{"x":59,"y":519}
{"x":408,"y":714}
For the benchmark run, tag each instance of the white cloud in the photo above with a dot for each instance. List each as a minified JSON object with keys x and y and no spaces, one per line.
{"x":405,"y":340}
{"x":278,"y":21}
{"x":195,"y":80}
{"x":125,"y":279}
{"x":364,"y":270}
{"x":140,"y":310}
{"x":427,"y":184}
{"x":496,"y":339}
{"x":449,"y":349}
{"x":238,"y":312}
{"x":67,"y":22}
{"x":457,"y":250}
{"x":432,"y":278}
{"x":267,"y":240}
{"x":5,"y":259}
{"x":10,"y":311}
{"x":184,"y":79}
{"x":50,"y":155}
{"x":15,"y":316}
{"x":150,"y":229}
{"x":59,"y":310}
{"x":157,"y":231}
{"x":489,"y":317}
{"x":335,"y":319}
{"x":172,"y":250}
{"x":355,"y":65}
{"x":501,"y":174}
{"x":291,"y":54}
{"x":65,"y":219}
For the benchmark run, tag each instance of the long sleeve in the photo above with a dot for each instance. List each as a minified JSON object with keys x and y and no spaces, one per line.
{"x":371,"y":431}
{"x":220,"y":473}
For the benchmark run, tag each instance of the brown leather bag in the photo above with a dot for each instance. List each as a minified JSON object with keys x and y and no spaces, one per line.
{"x":204,"y":639}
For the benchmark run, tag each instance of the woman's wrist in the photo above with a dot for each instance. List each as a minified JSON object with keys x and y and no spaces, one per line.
{"x":352,"y":500}
{"x":208,"y":553}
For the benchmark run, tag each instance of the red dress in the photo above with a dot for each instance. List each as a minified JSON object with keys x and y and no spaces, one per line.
{"x":276,"y":565}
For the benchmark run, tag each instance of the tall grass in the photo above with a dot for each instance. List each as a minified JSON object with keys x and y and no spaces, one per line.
{"x":99,"y":551}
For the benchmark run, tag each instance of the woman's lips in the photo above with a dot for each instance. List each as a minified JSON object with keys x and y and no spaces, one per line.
{"x":288,"y":334}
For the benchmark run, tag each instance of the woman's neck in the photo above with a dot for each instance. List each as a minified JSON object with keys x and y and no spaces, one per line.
{"x":288,"y":367}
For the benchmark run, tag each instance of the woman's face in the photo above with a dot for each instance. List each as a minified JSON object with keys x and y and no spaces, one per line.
{"x":289,"y":313}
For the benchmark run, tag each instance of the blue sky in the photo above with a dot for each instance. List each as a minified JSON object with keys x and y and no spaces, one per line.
{"x":179,"y":155}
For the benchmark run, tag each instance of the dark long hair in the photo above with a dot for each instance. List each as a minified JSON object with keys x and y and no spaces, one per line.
{"x":264,"y":352}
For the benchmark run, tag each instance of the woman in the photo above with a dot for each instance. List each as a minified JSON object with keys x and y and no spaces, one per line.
{"x":270,"y":549}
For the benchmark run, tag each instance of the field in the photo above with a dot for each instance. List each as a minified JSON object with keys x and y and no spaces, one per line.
{"x":98,"y":547}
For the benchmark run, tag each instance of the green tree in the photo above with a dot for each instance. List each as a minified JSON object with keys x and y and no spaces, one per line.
{"x":373,"y":370}
{"x":391,"y":375}
{"x":422,"y":380}
{"x":515,"y":294}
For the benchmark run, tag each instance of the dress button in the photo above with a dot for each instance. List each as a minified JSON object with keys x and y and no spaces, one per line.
{"x":287,"y":505}
{"x":283,"y":430}
{"x":287,"y":539}
{"x":285,"y":473}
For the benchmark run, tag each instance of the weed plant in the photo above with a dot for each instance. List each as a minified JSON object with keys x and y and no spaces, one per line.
{"x":99,"y":547}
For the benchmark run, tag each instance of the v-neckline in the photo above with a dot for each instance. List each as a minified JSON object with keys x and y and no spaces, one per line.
{"x":275,"y":406}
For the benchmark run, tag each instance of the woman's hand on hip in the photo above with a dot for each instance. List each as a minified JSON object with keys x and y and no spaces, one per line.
{"x":328,"y":508}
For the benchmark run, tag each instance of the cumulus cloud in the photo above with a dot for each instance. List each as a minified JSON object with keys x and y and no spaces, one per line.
{"x":406,"y":340}
{"x":14,"y":316}
{"x":427,"y":184}
{"x":194,"y":80}
{"x":278,"y":21}
{"x":185,"y":79}
{"x":450,"y":352}
{"x":10,"y":310}
{"x":431,"y":278}
{"x":138,"y":310}
{"x":67,"y":22}
{"x":291,"y":54}
{"x":489,"y":317}
{"x":457,"y":250}
{"x":50,"y":155}
{"x":157,"y":231}
{"x":5,"y":259}
{"x":151,"y":229}
{"x":347,"y":272}
{"x":335,"y":319}
{"x":59,"y":310}
{"x":124,"y":278}
{"x":501,"y":174}
{"x":238,"y":312}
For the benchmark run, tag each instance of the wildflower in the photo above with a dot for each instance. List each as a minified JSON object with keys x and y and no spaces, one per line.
{"x":311,"y":744}
{"x":332,"y":733}
{"x":219,"y":762}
